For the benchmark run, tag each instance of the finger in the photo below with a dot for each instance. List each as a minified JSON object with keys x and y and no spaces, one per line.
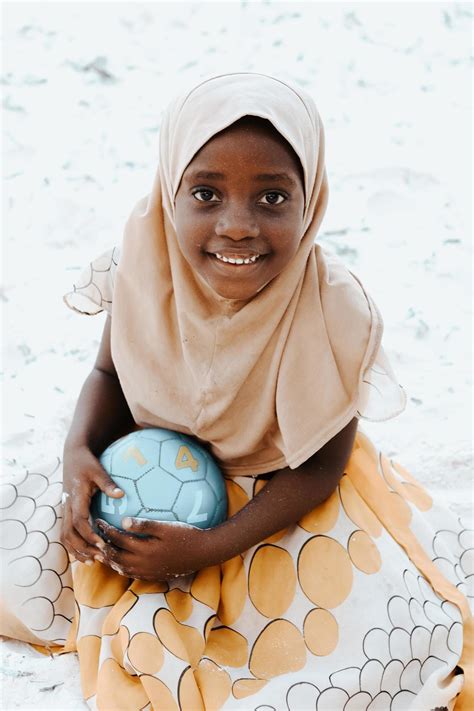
{"x":119,"y":560}
{"x":80,"y":510}
{"x":73,"y":541}
{"x":145,"y":527}
{"x":85,"y":530}
{"x":120,"y":539}
{"x":80,"y":548}
{"x":65,"y":529}
{"x":119,"y":570}
{"x":156,"y":529}
{"x":106,"y":484}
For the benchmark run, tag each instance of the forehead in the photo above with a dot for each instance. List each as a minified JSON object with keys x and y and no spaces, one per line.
{"x":252,"y":141}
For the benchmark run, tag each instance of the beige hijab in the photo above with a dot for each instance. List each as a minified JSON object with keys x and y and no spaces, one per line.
{"x":265,"y":382}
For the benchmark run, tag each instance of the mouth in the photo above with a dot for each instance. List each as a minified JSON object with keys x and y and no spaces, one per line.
{"x":240,"y":261}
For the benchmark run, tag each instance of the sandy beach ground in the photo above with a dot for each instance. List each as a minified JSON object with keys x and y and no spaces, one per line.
{"x":84,"y":85}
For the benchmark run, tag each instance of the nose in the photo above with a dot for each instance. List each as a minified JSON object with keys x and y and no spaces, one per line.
{"x":237,"y":222}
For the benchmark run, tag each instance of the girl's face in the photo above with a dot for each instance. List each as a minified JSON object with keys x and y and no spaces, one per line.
{"x":239,"y":208}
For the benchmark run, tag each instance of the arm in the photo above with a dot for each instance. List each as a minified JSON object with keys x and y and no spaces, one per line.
{"x":288,"y":496}
{"x":169,"y":551}
{"x":101,"y":416}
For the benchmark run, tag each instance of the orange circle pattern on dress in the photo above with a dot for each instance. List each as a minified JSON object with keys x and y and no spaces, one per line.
{"x":105,"y":589}
{"x":118,"y":690}
{"x":246,"y":687}
{"x":322,"y":518}
{"x":180,"y":604}
{"x":333,"y":581}
{"x":227,"y":647}
{"x":236,"y":496}
{"x":119,"y":644}
{"x":208,"y":626}
{"x":206,"y":586}
{"x":188,"y":693}
{"x":321,"y":632}
{"x":143,"y":587}
{"x":357,"y":510}
{"x":114,"y":618}
{"x":214,"y":683}
{"x":272,"y":580}
{"x":417,"y":495}
{"x":279,"y":649}
{"x":145,"y":653}
{"x":233,"y":590}
{"x":88,"y":647}
{"x":364,"y":553}
{"x":159,"y":694}
{"x":184,"y":641}
{"x":400,"y":512}
{"x":409,"y":488}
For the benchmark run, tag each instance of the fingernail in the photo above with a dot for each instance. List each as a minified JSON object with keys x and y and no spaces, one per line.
{"x":101,"y":545}
{"x":89,"y":562}
{"x":116,"y":490}
{"x":72,"y":558}
{"x":98,"y":558}
{"x":127,"y":522}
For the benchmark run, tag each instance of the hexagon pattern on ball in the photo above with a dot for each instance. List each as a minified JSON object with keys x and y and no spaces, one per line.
{"x":166,"y":476}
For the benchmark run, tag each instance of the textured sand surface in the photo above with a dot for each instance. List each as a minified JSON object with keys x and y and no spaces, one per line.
{"x":83,"y":90}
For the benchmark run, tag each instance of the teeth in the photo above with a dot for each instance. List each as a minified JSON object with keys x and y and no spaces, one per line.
{"x":248,"y":260}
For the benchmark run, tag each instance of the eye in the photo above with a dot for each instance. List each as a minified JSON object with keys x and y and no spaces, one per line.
{"x":274,"y":198}
{"x":206,"y":194}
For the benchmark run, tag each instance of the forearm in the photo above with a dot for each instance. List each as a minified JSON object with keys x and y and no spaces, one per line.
{"x":101,"y":415}
{"x":286,"y":498}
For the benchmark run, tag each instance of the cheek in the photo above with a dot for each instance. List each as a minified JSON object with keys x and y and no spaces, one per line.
{"x":190,"y":241}
{"x":185,"y":233}
{"x":289,"y":249}
{"x":182,"y":213}
{"x":288,"y":235}
{"x":188,"y":222}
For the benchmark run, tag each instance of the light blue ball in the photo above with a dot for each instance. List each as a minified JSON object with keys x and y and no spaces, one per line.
{"x":166,"y":476}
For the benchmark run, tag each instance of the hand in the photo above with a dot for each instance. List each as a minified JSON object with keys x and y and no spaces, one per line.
{"x":166,"y":551}
{"x":83,"y":475}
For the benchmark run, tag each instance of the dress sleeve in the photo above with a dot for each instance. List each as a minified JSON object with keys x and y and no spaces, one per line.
{"x":93,"y":290}
{"x":381,"y":396}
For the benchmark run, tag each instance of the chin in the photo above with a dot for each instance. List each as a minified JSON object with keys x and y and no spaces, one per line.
{"x":227,"y":291}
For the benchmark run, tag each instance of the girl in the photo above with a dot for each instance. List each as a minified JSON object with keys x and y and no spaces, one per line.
{"x":336,"y":582}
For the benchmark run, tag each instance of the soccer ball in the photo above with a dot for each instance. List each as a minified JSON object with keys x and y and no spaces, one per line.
{"x":166,"y":476}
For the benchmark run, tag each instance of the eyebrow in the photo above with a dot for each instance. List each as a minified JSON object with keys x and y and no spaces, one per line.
{"x":261,"y":177}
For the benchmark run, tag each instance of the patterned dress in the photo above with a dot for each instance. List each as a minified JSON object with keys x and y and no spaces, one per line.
{"x":363,"y":604}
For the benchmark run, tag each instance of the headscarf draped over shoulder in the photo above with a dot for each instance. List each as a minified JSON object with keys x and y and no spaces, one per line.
{"x":264,"y":382}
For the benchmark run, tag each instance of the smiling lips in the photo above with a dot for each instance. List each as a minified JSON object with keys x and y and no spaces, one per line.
{"x":239,"y":260}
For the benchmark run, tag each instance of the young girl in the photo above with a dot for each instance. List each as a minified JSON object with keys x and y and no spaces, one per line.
{"x":336,"y":582}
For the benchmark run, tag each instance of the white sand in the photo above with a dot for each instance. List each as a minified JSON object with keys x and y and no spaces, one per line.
{"x":83,"y":89}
